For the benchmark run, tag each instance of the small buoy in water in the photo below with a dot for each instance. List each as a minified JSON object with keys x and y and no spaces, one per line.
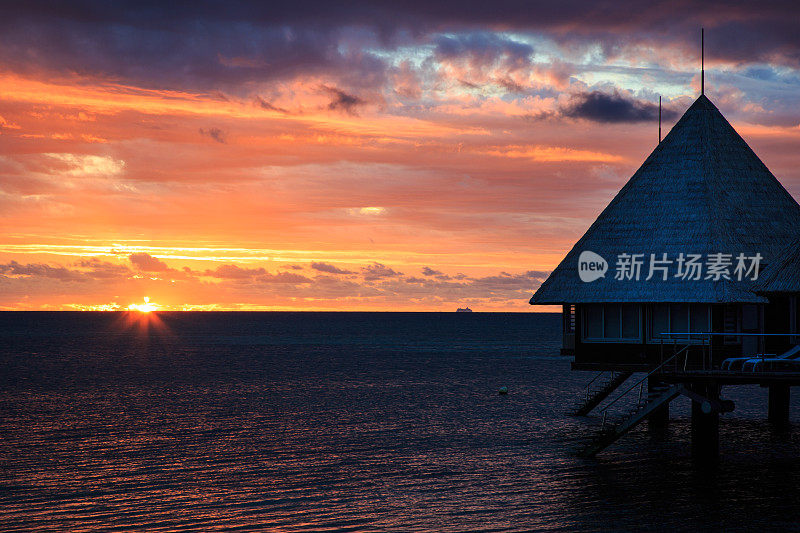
{"x":503,"y":390}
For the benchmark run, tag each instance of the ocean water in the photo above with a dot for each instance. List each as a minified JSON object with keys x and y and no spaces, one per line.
{"x":349,"y":422}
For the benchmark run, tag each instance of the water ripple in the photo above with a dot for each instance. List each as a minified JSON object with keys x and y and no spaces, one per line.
{"x":337,"y":422}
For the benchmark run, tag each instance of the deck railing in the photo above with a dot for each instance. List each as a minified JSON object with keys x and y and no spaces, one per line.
{"x":595,"y":379}
{"x":640,"y":382}
{"x":697,"y":348}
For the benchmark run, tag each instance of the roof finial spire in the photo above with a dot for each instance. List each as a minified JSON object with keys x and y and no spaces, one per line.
{"x":659,"y":119}
{"x":702,"y":61}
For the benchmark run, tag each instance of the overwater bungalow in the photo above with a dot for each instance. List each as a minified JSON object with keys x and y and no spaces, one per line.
{"x":702,"y":192}
{"x":695,"y":261}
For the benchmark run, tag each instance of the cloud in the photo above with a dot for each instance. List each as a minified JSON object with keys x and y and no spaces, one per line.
{"x":378,"y":271}
{"x":377,"y":286}
{"x":263,"y":104}
{"x":215,"y":133}
{"x":255,"y":276}
{"x":288,"y":278}
{"x":98,"y":269}
{"x":235,"y":272}
{"x":483,"y":49}
{"x":525,"y":281}
{"x":367,"y":211}
{"x":84,"y":270}
{"x":40,"y":270}
{"x":89,"y":165}
{"x":330,"y":269}
{"x":428,"y":271}
{"x":598,"y":106}
{"x":342,"y":100}
{"x":480,"y":287}
{"x":201,"y":46}
{"x":147,"y":262}
{"x":8,"y":125}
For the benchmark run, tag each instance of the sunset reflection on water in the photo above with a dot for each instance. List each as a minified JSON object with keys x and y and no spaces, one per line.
{"x":346,"y":421}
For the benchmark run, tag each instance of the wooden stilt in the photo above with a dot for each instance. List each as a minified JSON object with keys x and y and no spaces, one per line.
{"x":705,"y":427}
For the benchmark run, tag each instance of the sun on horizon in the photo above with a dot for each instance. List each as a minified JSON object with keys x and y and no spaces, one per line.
{"x":146,"y":307}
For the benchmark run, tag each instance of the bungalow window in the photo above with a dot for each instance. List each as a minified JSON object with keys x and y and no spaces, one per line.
{"x":594,"y":322}
{"x":631,"y":322}
{"x":611,"y":323}
{"x":679,"y":318}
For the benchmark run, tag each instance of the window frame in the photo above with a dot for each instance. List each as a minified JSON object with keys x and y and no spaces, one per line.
{"x":610,"y":340}
{"x":691,"y":307}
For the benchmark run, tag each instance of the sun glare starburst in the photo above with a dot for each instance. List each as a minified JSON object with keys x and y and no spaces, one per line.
{"x":145,"y":307}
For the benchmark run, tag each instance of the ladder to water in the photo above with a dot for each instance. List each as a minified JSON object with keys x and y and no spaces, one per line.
{"x":655,"y":398}
{"x":612,"y":430}
{"x":598,"y":390}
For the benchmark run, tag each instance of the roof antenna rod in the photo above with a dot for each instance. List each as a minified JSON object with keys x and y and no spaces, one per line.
{"x":659,"y":119}
{"x":702,"y":61}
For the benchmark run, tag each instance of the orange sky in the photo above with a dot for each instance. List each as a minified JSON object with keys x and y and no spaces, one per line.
{"x":418,"y":175}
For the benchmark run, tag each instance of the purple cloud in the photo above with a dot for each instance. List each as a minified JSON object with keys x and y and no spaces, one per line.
{"x":328,"y":268}
{"x":615,"y":107}
{"x":215,"y":133}
{"x":378,"y":271}
{"x":147,"y":262}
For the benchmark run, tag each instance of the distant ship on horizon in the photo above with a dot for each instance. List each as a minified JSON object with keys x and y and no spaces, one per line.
{"x":463,"y":310}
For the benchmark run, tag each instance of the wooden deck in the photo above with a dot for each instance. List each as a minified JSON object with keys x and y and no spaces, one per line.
{"x":730,"y":377}
{"x":722,"y":377}
{"x":603,"y":367}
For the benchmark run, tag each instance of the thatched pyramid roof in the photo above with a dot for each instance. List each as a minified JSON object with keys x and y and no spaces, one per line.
{"x":701,"y":191}
{"x":783,"y":275}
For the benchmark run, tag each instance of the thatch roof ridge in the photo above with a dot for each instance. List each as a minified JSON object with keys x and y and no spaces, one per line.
{"x":701,"y":190}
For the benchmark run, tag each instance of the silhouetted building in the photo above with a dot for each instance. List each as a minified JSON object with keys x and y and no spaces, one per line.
{"x":702,"y":201}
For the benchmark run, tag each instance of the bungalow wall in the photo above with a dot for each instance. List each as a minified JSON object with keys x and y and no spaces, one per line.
{"x":631,"y":336}
{"x":782,"y":315}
